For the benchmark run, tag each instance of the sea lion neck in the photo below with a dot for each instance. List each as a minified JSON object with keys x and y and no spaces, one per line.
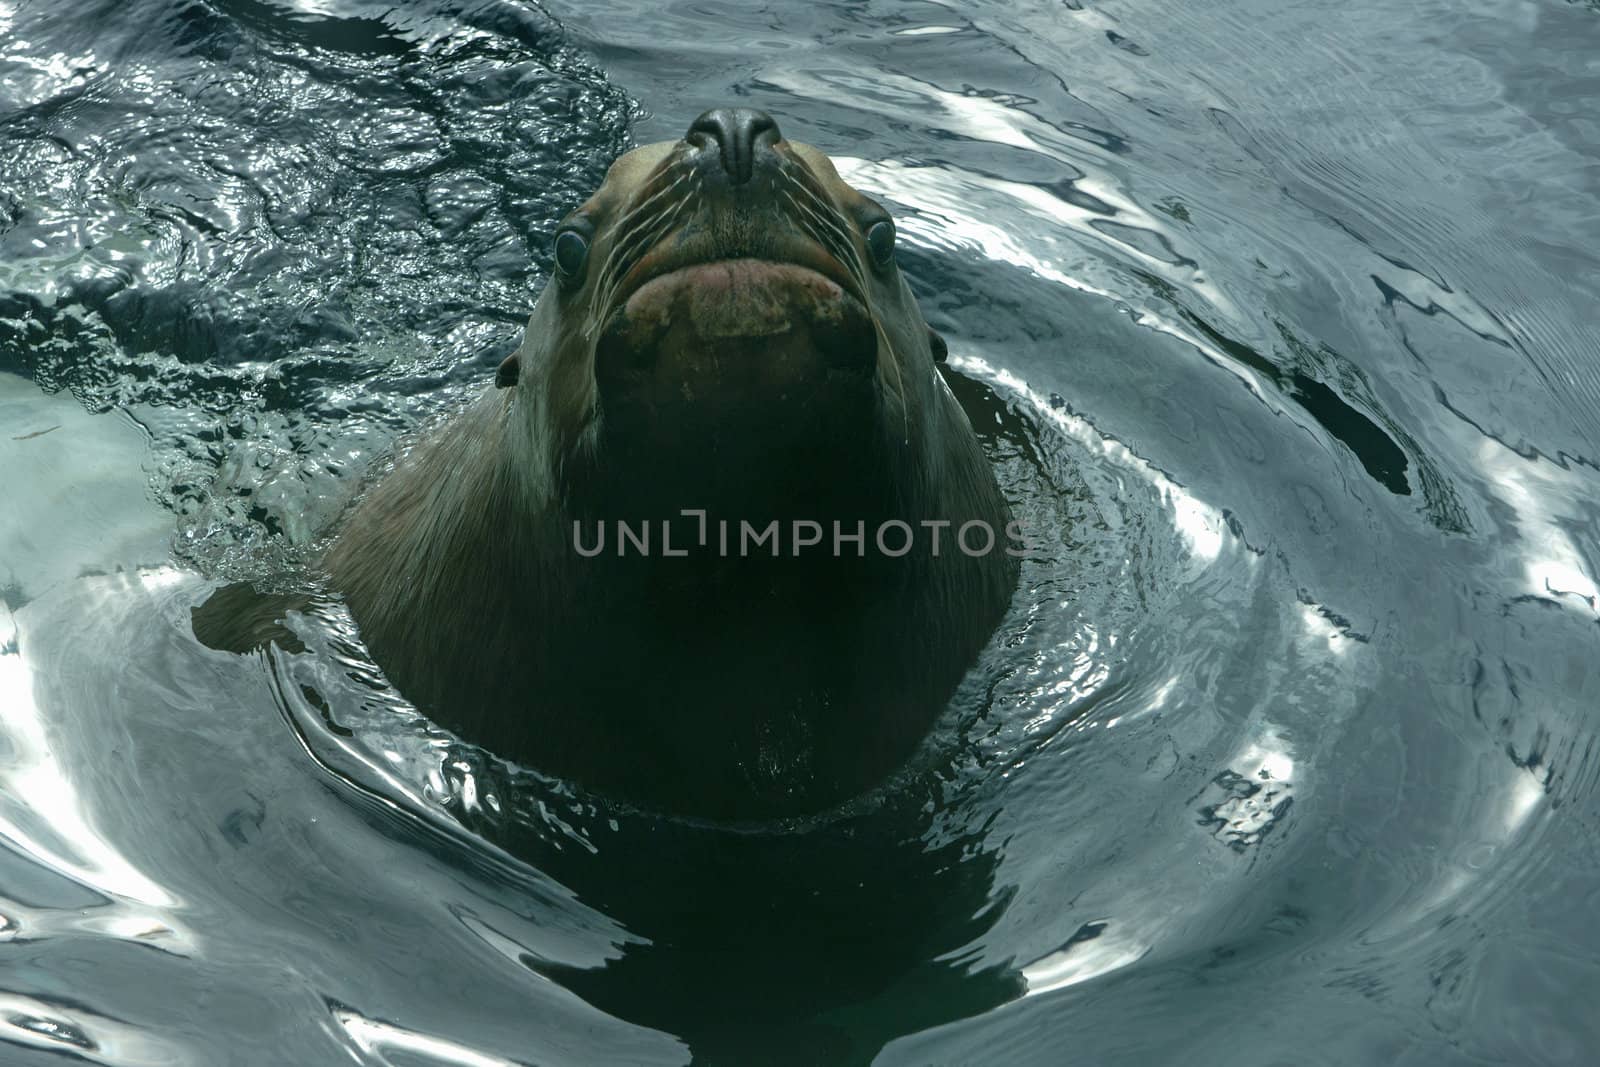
{"x":816,"y":462}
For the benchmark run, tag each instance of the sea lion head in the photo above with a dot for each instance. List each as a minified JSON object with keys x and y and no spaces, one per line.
{"x":724,"y":310}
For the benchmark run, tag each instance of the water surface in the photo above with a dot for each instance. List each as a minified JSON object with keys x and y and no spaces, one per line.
{"x":1283,"y":313}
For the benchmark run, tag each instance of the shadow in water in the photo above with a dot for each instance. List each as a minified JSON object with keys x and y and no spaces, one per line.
{"x":810,"y":942}
{"x":785,"y":947}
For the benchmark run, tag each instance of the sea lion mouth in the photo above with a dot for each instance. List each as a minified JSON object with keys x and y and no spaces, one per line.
{"x":743,"y":297}
{"x":742,"y":325}
{"x":671,"y":257}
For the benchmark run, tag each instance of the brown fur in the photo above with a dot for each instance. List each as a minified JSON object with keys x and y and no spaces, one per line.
{"x":723,"y":687}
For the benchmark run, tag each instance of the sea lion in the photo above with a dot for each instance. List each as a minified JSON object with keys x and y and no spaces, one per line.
{"x":726,"y":348}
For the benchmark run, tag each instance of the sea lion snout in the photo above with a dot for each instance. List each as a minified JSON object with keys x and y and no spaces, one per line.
{"x":740,"y":291}
{"x":735,"y":140}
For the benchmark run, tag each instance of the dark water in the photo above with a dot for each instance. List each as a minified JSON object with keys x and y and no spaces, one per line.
{"x":1285,"y":313}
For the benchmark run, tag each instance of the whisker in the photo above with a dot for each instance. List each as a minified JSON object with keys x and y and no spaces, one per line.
{"x":641,"y":216}
{"x":821,"y":209}
{"x":899,"y":380}
{"x":627,"y":253}
{"x":680,"y":175}
{"x":823,"y":217}
{"x":835,"y":242}
{"x":641,"y":230}
{"x":648,"y":225}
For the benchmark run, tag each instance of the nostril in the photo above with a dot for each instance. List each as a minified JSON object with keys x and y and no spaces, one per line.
{"x":738,"y":133}
{"x":707,"y":128}
{"x":762,"y":123}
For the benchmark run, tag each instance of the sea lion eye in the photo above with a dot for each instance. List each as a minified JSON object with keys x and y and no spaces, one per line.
{"x":880,"y":242}
{"x":572,"y":252}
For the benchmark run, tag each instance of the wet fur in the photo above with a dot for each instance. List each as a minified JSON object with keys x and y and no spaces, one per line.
{"x":726,"y":688}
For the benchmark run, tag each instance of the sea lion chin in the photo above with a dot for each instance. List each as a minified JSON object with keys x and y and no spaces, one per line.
{"x":725,"y":335}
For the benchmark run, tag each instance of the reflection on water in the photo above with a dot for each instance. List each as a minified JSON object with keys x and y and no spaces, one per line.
{"x":43,"y":816}
{"x":1286,"y":751}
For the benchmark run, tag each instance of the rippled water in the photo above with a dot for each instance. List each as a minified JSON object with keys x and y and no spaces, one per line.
{"x":1286,"y":314}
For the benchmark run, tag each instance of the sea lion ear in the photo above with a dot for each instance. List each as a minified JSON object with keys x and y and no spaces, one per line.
{"x":941,"y":351}
{"x":510,"y":370}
